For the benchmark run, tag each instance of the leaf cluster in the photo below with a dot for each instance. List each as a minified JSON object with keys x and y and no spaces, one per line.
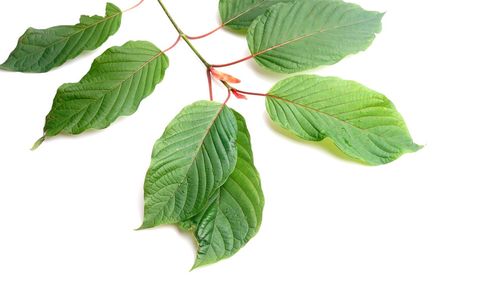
{"x":202,"y":176}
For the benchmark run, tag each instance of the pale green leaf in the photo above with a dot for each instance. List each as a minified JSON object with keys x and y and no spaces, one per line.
{"x":234,"y":214}
{"x":297,"y":36}
{"x":115,"y":86}
{"x":40,"y":50}
{"x":362,"y":123}
{"x":239,"y":14}
{"x":191,"y":160}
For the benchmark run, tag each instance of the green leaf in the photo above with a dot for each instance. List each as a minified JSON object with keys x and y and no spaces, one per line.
{"x":115,"y":86}
{"x":362,"y":123}
{"x":40,"y":50}
{"x":292,"y":37}
{"x":239,"y":14}
{"x":234,"y":214}
{"x":192,"y":159}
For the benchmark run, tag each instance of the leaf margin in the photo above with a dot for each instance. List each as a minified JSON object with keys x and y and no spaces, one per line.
{"x":257,"y":54}
{"x":161,"y":145}
{"x":112,"y":11}
{"x":410,"y":148}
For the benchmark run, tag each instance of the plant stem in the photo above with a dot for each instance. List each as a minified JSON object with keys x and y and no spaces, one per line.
{"x":251,"y":93}
{"x":173,"y":45}
{"x":234,"y":62}
{"x":206,"y":34}
{"x":194,"y":50}
{"x":39,"y":142}
{"x":210,"y":90}
{"x":228,"y":95}
{"x":229,"y":87}
{"x":133,"y":7}
{"x":184,"y":36}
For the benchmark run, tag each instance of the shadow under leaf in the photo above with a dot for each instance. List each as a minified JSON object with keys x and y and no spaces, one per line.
{"x":325,"y":145}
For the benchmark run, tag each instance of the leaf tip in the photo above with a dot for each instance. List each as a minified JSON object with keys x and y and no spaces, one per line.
{"x":4,"y":67}
{"x":142,"y":227}
{"x":38,"y":143}
{"x":197,"y":264}
{"x":417,"y":147}
{"x":381,"y":15}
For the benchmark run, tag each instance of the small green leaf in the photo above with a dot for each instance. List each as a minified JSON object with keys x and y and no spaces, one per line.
{"x":192,"y":159}
{"x":297,"y":36}
{"x":234,"y":214}
{"x":40,"y":50}
{"x":239,"y":14}
{"x":115,"y":86}
{"x":363,"y":123}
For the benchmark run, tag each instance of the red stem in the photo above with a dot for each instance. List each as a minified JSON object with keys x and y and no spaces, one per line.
{"x":133,"y":7}
{"x":173,"y":45}
{"x":206,"y":34}
{"x":234,"y":62}
{"x":209,"y":76}
{"x":228,"y":96}
{"x":251,"y":93}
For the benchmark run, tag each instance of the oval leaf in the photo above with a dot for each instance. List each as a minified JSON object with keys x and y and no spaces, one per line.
{"x":193,"y":158}
{"x":234,"y":213}
{"x":292,"y":37}
{"x":239,"y":14}
{"x":363,"y":123}
{"x":40,"y":50}
{"x":115,"y":86}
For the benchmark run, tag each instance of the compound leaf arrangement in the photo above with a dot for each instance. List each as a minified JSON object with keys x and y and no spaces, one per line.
{"x":202,"y":176}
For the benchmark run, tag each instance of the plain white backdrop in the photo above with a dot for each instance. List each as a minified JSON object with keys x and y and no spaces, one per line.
{"x":68,"y":210}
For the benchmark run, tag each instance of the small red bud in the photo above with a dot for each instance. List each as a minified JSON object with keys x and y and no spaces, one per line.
{"x":224,"y":76}
{"x":238,"y":95}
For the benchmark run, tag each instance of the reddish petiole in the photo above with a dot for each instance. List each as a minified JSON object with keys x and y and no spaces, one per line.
{"x":206,"y":34}
{"x":133,"y":7}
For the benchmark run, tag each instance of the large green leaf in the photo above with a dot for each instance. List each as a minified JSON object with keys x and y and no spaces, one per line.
{"x":115,"y":86}
{"x":363,"y":123}
{"x":234,"y":214}
{"x":40,"y":50}
{"x":192,"y":159}
{"x":292,"y":37}
{"x":239,"y":14}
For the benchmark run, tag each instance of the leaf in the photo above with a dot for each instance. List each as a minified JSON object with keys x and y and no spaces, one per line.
{"x":40,"y":50}
{"x":115,"y":86}
{"x":292,"y":37}
{"x":239,"y":14}
{"x":363,"y":123}
{"x":192,"y":159}
{"x":234,"y":213}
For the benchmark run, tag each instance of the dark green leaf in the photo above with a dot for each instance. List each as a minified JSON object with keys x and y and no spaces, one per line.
{"x":193,"y":158}
{"x":40,"y":50}
{"x":292,"y":37}
{"x":115,"y":85}
{"x":363,"y":123}
{"x":239,"y":14}
{"x":234,"y":214}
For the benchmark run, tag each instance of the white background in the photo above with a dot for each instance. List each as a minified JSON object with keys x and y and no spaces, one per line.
{"x":68,"y":210}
